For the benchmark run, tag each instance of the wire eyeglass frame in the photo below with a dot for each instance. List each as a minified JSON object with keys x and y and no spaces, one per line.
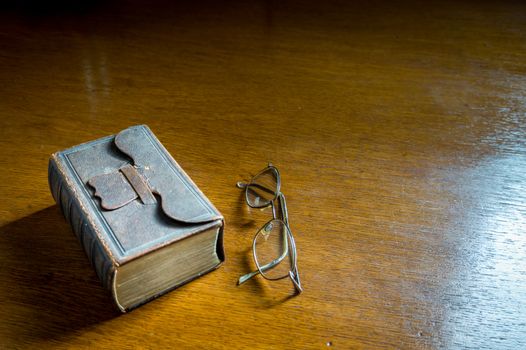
{"x":288,"y":239}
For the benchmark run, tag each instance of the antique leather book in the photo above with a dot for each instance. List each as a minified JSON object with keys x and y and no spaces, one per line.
{"x":144,"y":225}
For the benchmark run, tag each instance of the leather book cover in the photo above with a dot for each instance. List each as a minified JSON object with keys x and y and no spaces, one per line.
{"x":126,"y":197}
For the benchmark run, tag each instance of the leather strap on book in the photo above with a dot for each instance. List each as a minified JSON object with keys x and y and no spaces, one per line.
{"x":138,"y":184}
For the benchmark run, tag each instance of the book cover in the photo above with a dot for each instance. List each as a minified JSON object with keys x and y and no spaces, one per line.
{"x":144,"y":225}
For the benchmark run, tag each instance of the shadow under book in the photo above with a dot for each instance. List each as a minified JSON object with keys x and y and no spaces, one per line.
{"x":143,"y":223}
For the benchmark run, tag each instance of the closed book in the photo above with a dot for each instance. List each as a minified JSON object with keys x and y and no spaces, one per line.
{"x":143,"y":223}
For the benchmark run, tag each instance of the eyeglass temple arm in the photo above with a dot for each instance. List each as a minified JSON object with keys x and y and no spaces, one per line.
{"x":270,"y":265}
{"x":295,"y":278}
{"x":246,"y":277}
{"x":293,"y":274}
{"x":283,"y":207}
{"x":285,"y":218}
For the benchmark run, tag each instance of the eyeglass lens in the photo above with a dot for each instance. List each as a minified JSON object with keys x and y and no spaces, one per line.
{"x":272,"y":250}
{"x":263,"y":188}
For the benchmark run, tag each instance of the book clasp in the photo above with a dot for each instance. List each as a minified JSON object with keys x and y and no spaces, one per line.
{"x":118,"y":188}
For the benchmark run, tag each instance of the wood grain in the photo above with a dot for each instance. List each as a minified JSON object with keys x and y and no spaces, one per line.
{"x":399,"y":131}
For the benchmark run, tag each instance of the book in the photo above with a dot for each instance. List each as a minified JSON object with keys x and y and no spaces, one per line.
{"x":143,"y":223}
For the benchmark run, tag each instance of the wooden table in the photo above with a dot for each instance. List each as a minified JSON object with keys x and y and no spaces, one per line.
{"x":399,"y":130}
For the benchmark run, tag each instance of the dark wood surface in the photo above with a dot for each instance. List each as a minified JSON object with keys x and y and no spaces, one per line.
{"x":399,"y":130}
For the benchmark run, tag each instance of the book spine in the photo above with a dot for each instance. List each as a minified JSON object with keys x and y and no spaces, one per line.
{"x":73,"y":211}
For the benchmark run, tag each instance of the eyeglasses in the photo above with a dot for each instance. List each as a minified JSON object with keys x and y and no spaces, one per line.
{"x":273,"y":247}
